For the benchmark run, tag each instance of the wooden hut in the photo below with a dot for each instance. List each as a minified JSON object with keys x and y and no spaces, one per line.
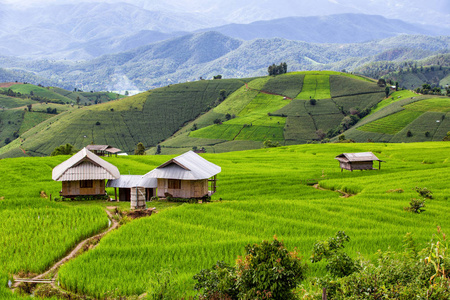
{"x":129,"y":185}
{"x":358,"y":161}
{"x":186,"y":176}
{"x":103,"y":150}
{"x":84,"y":174}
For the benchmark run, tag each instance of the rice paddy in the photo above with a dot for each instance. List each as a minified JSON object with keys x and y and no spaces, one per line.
{"x":262,"y":193}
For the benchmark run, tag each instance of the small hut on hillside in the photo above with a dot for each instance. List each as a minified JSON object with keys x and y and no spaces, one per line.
{"x":358,"y":161}
{"x":103,"y":150}
{"x":186,"y":176}
{"x":130,"y":185}
{"x":84,"y":174}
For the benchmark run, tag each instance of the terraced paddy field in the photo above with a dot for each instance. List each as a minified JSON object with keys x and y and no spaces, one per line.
{"x":261,"y":193}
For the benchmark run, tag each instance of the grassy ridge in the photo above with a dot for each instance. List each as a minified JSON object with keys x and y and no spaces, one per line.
{"x":281,"y":204}
{"x":148,"y":118}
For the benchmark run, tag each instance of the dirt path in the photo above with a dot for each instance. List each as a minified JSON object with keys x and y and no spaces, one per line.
{"x":344,"y":194}
{"x":75,"y":251}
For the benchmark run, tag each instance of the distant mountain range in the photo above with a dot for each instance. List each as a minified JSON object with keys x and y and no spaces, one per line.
{"x":342,"y":28}
{"x":190,"y":57}
{"x":84,"y":31}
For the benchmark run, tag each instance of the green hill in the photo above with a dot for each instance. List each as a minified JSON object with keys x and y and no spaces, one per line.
{"x":234,"y":114}
{"x":149,"y":118}
{"x":405,"y":117}
{"x":278,"y":109}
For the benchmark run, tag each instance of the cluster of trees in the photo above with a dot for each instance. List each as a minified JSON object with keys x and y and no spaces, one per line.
{"x":428,"y":89}
{"x":352,"y":117}
{"x":32,"y":96}
{"x":269,"y":271}
{"x":277,"y":69}
{"x":66,"y":149}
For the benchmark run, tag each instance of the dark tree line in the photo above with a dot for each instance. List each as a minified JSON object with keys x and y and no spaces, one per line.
{"x":277,"y":70}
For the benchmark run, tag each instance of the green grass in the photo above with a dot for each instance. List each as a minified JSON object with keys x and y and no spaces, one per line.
{"x":149,"y":118}
{"x":263,"y":194}
{"x":10,"y":102}
{"x":433,"y":105}
{"x":392,"y":124}
{"x":289,"y":85}
{"x":396,"y":96}
{"x":315,"y":87}
{"x":32,"y":119}
{"x":252,"y":123}
{"x":26,"y":89}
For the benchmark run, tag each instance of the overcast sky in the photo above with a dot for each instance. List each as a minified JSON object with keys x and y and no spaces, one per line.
{"x":420,"y":11}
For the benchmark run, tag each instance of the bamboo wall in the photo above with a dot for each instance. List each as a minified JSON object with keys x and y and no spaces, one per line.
{"x":72,"y":188}
{"x":189,"y":188}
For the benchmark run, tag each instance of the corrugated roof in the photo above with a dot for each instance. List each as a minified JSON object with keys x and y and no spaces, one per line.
{"x":97,"y":147}
{"x":363,"y":156}
{"x":129,"y":181}
{"x":85,"y":165}
{"x":106,"y":148}
{"x":188,"y":166}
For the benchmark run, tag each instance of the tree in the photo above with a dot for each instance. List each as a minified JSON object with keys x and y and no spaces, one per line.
{"x":218,"y":121}
{"x":268,"y":270}
{"x":127,"y":93}
{"x":66,"y":149}
{"x":277,"y":69}
{"x":386,"y":91}
{"x":78,"y":100}
{"x":339,"y":263}
{"x":218,"y":77}
{"x":158,"y":149}
{"x":396,"y":85}
{"x":312,"y":101}
{"x":381,"y":82}
{"x":320,"y":134}
{"x":29,"y":106}
{"x":140,"y":149}
{"x":222,"y":95}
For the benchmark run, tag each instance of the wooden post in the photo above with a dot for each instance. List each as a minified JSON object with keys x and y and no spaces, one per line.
{"x":115,"y":194}
{"x":324,"y":294}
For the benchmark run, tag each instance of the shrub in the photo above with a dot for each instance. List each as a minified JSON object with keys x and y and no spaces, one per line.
{"x":339,"y":263}
{"x":416,"y":206}
{"x":312,"y":101}
{"x":268,"y":270}
{"x":424,"y":192}
{"x":409,"y":133}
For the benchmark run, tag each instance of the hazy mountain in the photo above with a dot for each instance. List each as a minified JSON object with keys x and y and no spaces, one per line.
{"x":193,"y":56}
{"x":69,"y":28}
{"x":432,"y":12}
{"x":342,"y":28}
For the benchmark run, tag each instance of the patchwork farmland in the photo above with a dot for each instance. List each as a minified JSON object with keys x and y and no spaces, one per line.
{"x":261,"y":193}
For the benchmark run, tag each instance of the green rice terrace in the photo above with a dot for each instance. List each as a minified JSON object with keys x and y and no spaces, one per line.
{"x":225,"y":115}
{"x":261,"y":193}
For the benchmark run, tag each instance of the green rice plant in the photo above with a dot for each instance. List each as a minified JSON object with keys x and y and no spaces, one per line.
{"x":289,"y":85}
{"x":315,"y":87}
{"x":392,"y":124}
{"x":432,"y":105}
{"x":261,"y":194}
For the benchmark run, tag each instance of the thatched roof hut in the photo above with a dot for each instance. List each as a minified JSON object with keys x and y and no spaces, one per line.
{"x":84,"y":174}
{"x":186,"y":176}
{"x":358,"y":161}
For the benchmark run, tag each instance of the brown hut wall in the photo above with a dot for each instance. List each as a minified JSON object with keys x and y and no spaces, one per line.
{"x":73,"y":188}
{"x":189,"y":188}
{"x":362,"y":165}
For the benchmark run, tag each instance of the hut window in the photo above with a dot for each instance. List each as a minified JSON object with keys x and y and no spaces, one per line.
{"x":174,"y":184}
{"x":86,"y":184}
